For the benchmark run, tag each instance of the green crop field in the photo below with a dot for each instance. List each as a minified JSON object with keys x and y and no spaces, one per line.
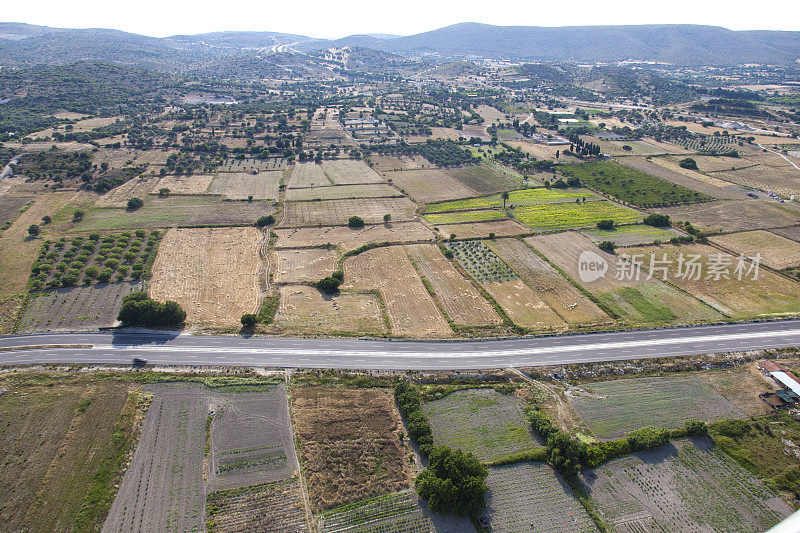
{"x":569,"y":215}
{"x":463,"y":216}
{"x":630,"y":185}
{"x":539,"y":195}
{"x":398,"y":512}
{"x":623,"y":405}
{"x":481,"y":421}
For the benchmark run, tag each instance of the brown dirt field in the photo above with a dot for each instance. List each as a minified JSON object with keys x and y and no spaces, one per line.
{"x":383,"y":163}
{"x":17,"y":252}
{"x":347,"y":239}
{"x":349,"y":444}
{"x":305,"y":310}
{"x":308,"y":175}
{"x":377,"y":190}
{"x":770,"y":294}
{"x":792,"y":232}
{"x":523,"y":306}
{"x":211,"y":272}
{"x":727,"y":216}
{"x":411,"y":310}
{"x":55,"y":435}
{"x":240,"y":185}
{"x":555,"y":290}
{"x":781,"y":180}
{"x":776,"y":251}
{"x":118,"y":197}
{"x":460,"y":300}
{"x":501,"y":228}
{"x":350,"y":172}
{"x":432,"y":185}
{"x":741,"y":386}
{"x":11,"y":205}
{"x":335,"y":212}
{"x":304,"y":265}
{"x":194,"y":184}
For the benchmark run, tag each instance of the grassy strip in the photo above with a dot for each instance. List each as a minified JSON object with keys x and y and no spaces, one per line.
{"x":410,"y":405}
{"x":532,"y":455}
{"x":103,"y":487}
{"x":209,"y":419}
{"x":269,"y":306}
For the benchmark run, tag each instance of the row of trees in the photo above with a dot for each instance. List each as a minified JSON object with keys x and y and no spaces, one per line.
{"x":138,"y":309}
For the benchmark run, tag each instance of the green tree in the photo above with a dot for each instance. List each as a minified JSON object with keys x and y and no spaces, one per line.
{"x":504,"y":196}
{"x":453,"y":482}
{"x":135,"y":203}
{"x":249,"y":320}
{"x":607,"y":246}
{"x":266,"y":220}
{"x":355,"y":222}
{"x":33,"y":230}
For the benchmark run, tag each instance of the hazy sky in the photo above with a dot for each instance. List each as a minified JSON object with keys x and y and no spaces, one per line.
{"x":332,"y":19}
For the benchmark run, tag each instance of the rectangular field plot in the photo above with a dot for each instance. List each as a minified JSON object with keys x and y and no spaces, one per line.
{"x":388,"y":163}
{"x":251,"y":439}
{"x":776,"y":251}
{"x":634,"y":300}
{"x":548,"y":217}
{"x":336,"y":212}
{"x":350,"y":171}
{"x":275,"y":506}
{"x":727,"y":216}
{"x":376,"y":190}
{"x":460,"y":300}
{"x":460,"y":217}
{"x":553,"y":288}
{"x":184,"y":184}
{"x":784,"y":180}
{"x":241,"y":185}
{"x":500,"y":228}
{"x":249,"y":165}
{"x":308,"y":175}
{"x":410,"y":307}
{"x":211,"y":272}
{"x":618,"y":406}
{"x":304,"y":265}
{"x":349,"y":444}
{"x":118,"y":197}
{"x":10,"y":206}
{"x":430,"y":185}
{"x":484,"y":179}
{"x":632,"y":234}
{"x":752,"y":295}
{"x":482,"y":421}
{"x":684,"y":486}
{"x":77,"y":308}
{"x":163,"y":488}
{"x":392,"y":513}
{"x":304,"y":309}
{"x":533,"y":497}
{"x":536,"y":196}
{"x":174,"y":211}
{"x":347,"y":239}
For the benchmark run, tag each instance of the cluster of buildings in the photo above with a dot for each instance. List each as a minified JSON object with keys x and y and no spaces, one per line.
{"x":787,"y":394}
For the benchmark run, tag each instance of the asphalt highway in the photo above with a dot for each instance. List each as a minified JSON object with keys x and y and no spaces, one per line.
{"x":184,"y":349}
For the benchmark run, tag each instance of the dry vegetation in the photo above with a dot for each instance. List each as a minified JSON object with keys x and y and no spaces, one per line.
{"x":433,"y":185}
{"x":241,"y":185}
{"x":375,"y":190}
{"x":347,"y":239}
{"x":470,"y":230}
{"x":350,"y":172}
{"x":349,"y":444}
{"x":308,"y":175}
{"x":305,"y":310}
{"x":184,"y":184}
{"x":337,"y":212}
{"x":726,"y":216}
{"x":211,"y":272}
{"x":776,"y":251}
{"x":304,"y":265}
{"x":135,"y":188}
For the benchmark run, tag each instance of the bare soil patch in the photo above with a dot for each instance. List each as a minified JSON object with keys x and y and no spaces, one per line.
{"x":336,"y":212}
{"x":305,"y":310}
{"x":307,"y":265}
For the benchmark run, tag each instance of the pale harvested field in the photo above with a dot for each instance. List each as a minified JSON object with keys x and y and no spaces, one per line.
{"x":460,"y":300}
{"x":305,"y":310}
{"x":523,"y":306}
{"x":347,"y":239}
{"x":726,"y":216}
{"x":792,"y":232}
{"x":127,"y":157}
{"x":383,"y":163}
{"x":304,"y":265}
{"x":501,"y":228}
{"x":639,"y":148}
{"x":335,"y":212}
{"x":240,"y":185}
{"x":540,"y":151}
{"x":673,"y":164}
{"x":554,"y":289}
{"x":776,"y":251}
{"x":700,"y":182}
{"x":350,"y":172}
{"x":446,"y":133}
{"x":432,"y":185}
{"x":412,"y":311}
{"x":308,"y":175}
{"x":376,"y":190}
{"x":781,"y":180}
{"x":135,"y":188}
{"x":194,"y":184}
{"x":491,"y":114}
{"x":211,"y":272}
{"x":711,"y":163}
{"x":769,"y":294}
{"x":636,"y":300}
{"x":80,"y":126}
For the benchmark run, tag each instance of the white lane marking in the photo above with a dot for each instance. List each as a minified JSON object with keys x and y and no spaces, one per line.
{"x":483,"y":354}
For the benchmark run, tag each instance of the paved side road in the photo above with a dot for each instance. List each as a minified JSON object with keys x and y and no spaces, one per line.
{"x":121,"y":348}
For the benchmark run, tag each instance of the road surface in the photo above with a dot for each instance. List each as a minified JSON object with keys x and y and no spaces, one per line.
{"x":174,"y":349}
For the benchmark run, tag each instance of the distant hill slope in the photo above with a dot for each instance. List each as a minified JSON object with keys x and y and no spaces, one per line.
{"x":24,"y":44}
